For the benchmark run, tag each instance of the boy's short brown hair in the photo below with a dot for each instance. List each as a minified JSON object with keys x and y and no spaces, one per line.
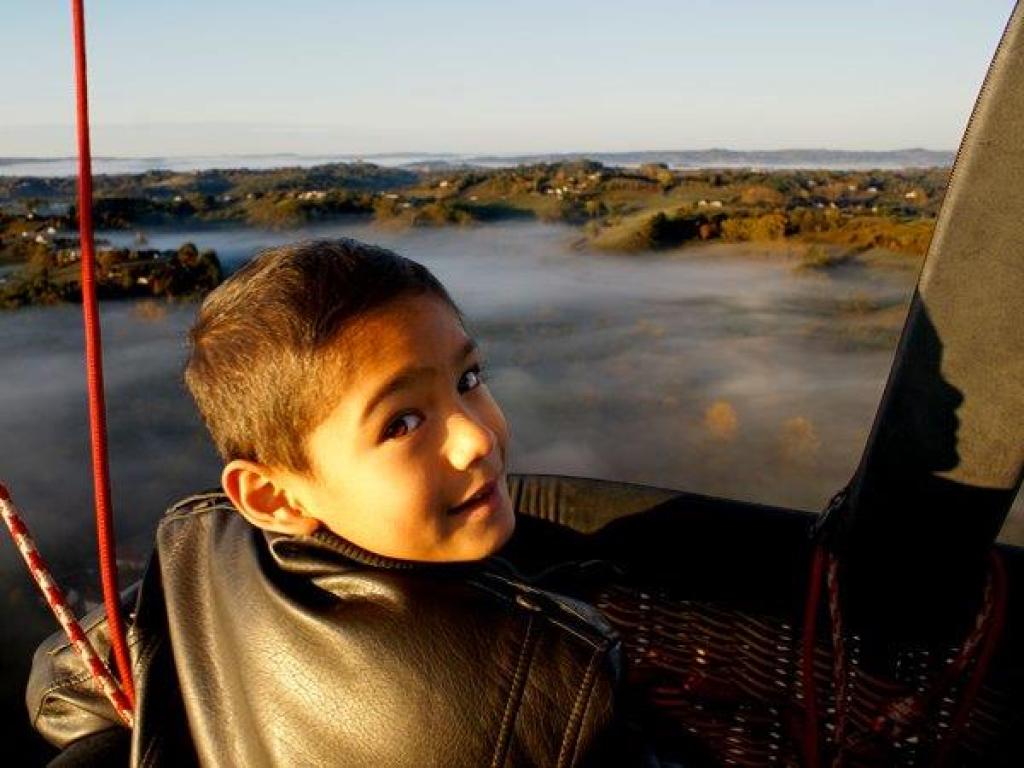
{"x":262,"y":358}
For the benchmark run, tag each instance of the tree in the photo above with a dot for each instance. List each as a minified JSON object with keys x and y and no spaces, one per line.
{"x":188,"y":255}
{"x":106,"y":259}
{"x":208,"y":271}
{"x":41,"y":262}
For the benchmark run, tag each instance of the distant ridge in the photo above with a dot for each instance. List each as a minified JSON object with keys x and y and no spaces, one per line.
{"x":767,"y":159}
{"x":734,"y":158}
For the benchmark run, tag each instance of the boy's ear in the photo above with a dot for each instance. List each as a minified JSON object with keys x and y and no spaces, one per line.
{"x":259,"y":494}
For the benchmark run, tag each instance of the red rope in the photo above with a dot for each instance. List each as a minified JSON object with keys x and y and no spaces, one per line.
{"x":897,"y":717}
{"x":992,"y":637}
{"x":94,"y":366}
{"x":839,"y":672}
{"x":811,"y":753}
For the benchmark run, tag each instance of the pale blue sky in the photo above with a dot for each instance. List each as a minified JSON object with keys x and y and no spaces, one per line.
{"x":330,"y":76}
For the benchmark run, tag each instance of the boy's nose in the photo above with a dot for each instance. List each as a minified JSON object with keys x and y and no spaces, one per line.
{"x":469,"y":440}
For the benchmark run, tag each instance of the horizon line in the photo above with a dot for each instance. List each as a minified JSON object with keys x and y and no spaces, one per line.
{"x":488,"y":154}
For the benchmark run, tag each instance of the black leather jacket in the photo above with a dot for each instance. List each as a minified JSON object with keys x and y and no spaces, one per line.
{"x":257,"y":649}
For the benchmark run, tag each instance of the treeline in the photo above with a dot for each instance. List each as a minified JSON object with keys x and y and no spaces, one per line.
{"x":237,"y":182}
{"x":829,"y":227}
{"x":186,"y":274}
{"x":651,"y":206}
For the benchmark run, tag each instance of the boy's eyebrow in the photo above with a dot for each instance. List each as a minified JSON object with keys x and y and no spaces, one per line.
{"x":407,"y":376}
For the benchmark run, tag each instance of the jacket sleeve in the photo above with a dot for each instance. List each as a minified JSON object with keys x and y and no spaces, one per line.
{"x":64,"y":703}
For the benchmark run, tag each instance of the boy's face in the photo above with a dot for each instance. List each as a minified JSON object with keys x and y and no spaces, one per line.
{"x":389,"y":466}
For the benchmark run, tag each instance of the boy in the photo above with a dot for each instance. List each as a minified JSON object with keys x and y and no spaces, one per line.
{"x":378,"y":426}
{"x":351,"y":614}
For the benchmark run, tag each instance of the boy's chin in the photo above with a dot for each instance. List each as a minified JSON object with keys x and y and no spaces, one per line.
{"x":488,"y":541}
{"x":505,"y":526}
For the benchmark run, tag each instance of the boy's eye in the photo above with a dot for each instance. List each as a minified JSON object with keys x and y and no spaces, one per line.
{"x":476,"y":375}
{"x":410,"y":421}
{"x":394,"y":429}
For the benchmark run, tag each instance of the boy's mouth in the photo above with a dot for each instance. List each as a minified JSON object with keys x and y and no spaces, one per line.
{"x":481,"y":497}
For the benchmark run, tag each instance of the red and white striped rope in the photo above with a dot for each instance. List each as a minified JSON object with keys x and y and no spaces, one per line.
{"x":58,"y":604}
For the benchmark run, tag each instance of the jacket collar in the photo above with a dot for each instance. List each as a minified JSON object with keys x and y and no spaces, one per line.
{"x":324,"y":548}
{"x":324,"y":551}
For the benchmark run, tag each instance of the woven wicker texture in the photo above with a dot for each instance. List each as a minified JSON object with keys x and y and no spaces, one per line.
{"x":732,"y":681}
